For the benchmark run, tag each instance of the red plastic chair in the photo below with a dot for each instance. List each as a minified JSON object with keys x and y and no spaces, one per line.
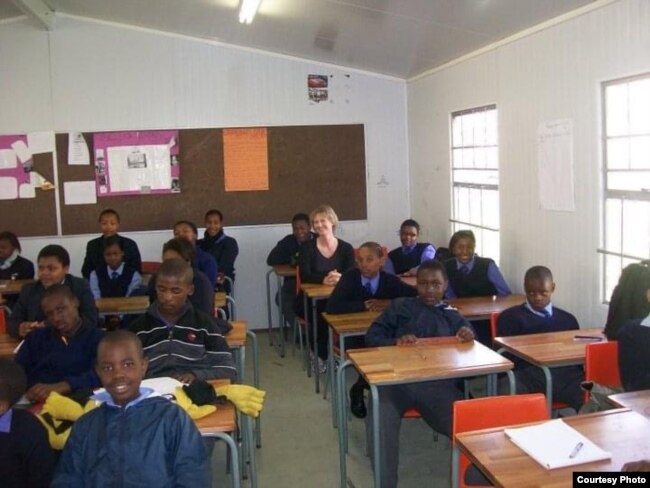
{"x":3,"y":323}
{"x":150,"y":267}
{"x":489,"y":412}
{"x":601,"y":364}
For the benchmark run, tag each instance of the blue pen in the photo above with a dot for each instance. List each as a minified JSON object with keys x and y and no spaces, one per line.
{"x":587,"y":338}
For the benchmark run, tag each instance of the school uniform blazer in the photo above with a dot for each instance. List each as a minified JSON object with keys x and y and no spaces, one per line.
{"x":350,"y":296}
{"x":411,"y":316}
{"x":286,"y":250}
{"x":20,"y":269}
{"x":633,"y":353}
{"x":28,"y":306}
{"x":95,"y":255}
{"x":224,"y":249}
{"x":153,"y":443}
{"x":311,"y":261}
{"x":206,"y":263}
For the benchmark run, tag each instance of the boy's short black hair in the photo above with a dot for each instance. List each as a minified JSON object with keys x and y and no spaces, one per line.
{"x":113,"y":240}
{"x":461,"y":234}
{"x":122,"y":335}
{"x":13,"y":381}
{"x":211,"y":212}
{"x":109,"y":211}
{"x":176,"y":268}
{"x":374,"y":247}
{"x":538,"y":273}
{"x":12,"y":238}
{"x":58,"y":290}
{"x":189,"y":224}
{"x":182,"y":247}
{"x":410,"y":223}
{"x":55,"y":251}
{"x":432,"y":265}
{"x":301,"y":217}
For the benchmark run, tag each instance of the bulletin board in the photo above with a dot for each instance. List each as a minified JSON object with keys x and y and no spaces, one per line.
{"x":307,"y":166}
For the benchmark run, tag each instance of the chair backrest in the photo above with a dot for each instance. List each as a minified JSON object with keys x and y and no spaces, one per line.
{"x":494,"y":317}
{"x":601,"y":363}
{"x":150,"y":267}
{"x":3,"y":324}
{"x":497,"y":411}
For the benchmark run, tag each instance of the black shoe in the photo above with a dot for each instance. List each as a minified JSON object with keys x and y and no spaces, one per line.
{"x":357,"y":405}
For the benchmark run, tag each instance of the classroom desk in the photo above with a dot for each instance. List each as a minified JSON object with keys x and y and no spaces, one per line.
{"x":314,"y":292}
{"x":281,"y":271}
{"x":12,"y":287}
{"x":7,"y":346}
{"x":122,"y":305}
{"x":548,"y":350}
{"x":480,"y":308}
{"x":622,"y":432}
{"x":428,"y":360}
{"x":639,"y":401}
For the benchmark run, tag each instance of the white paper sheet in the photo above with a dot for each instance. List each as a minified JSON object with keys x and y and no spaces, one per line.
{"x":79,"y":192}
{"x":77,"y":149}
{"x":141,"y":168}
{"x":8,"y":188}
{"x":27,"y":190}
{"x":554,"y":444}
{"x":555,"y":160}
{"x":8,"y":159}
{"x":22,"y":151}
{"x":40,"y":142}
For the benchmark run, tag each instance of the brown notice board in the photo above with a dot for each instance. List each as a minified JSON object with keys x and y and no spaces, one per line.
{"x":29,"y":217}
{"x":308,"y":166}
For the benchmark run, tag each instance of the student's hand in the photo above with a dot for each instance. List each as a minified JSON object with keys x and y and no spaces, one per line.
{"x":642,"y":466}
{"x":410,"y":272}
{"x":465,"y":334}
{"x":332,"y":278}
{"x":406,"y":339}
{"x":185,"y":377}
{"x":376,"y":305}
{"x":40,"y":391}
{"x":220,"y":277}
{"x":26,"y":327}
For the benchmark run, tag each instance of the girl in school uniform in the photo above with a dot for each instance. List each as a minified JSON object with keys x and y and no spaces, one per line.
{"x":323,"y":260}
{"x":12,"y":265}
{"x":117,"y":278}
{"x":223,"y":248}
{"x":404,"y":260}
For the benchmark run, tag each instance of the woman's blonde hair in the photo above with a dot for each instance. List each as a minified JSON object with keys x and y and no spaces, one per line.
{"x":328,"y":212}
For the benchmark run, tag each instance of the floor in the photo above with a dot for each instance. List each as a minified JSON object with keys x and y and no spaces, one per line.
{"x":300,"y":445}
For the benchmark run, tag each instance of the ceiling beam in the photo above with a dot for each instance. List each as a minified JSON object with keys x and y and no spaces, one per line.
{"x":37,"y":10}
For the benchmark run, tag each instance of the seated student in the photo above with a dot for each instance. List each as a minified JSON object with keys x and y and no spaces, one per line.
{"x":202,"y":294}
{"x":60,"y":357}
{"x":203,"y":261}
{"x":135,"y":438}
{"x":26,"y":459}
{"x":365,"y":288}
{"x":642,"y":466}
{"x":109,"y":221}
{"x":322,"y":260}
{"x":405,"y":259}
{"x":222,"y":247}
{"x":53,"y":264}
{"x":116,"y":279}
{"x":180,"y":340}
{"x":403,"y":322}
{"x":634,"y":351}
{"x":12,"y":265}
{"x":286,"y":252}
{"x":535,"y":316}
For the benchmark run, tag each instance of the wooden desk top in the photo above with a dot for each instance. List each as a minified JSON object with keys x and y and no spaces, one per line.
{"x":220,"y":299}
{"x":316,"y":290}
{"x":12,"y":287}
{"x":237,"y":336}
{"x":549,"y":348}
{"x":119,"y":305}
{"x":285,"y":270}
{"x":639,"y":401}
{"x":7,"y":346}
{"x":223,"y":420}
{"x":428,"y":359}
{"x":479,"y":307}
{"x":346,"y":323}
{"x":622,"y":432}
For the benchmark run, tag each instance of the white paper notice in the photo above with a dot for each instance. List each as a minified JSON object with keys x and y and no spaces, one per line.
{"x":139,"y":169}
{"x":22,"y":151}
{"x":555,"y":159}
{"x":40,"y":142}
{"x":77,"y":149}
{"x":8,"y":159}
{"x":27,"y":190}
{"x":79,"y":192}
{"x":8,"y":188}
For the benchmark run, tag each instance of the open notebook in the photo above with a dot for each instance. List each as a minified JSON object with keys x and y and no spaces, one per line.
{"x":554,"y":444}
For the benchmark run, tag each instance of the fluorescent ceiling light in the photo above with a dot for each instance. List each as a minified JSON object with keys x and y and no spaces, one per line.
{"x":248,"y":10}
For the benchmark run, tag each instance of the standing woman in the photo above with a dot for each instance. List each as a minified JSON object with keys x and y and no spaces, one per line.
{"x":323,"y":260}
{"x":12,"y":265}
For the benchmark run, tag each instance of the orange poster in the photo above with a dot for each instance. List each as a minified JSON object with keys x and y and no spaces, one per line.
{"x":245,"y":159}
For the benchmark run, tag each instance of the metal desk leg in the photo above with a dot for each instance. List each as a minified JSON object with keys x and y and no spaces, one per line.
{"x":332,"y":375}
{"x":256,"y":382}
{"x":234,"y":455}
{"x":268,"y":305}
{"x":342,"y":421}
{"x":307,"y":334}
{"x":512,"y":381}
{"x":455,"y":465}
{"x":314,"y":317}
{"x":374,"y":394}
{"x":250,"y":450}
{"x":549,"y":389}
{"x":278,"y":284}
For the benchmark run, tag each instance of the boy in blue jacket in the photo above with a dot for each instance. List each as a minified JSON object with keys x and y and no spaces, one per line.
{"x":135,"y":438}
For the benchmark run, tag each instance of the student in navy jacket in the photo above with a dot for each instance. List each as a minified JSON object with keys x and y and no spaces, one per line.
{"x":116,"y":279}
{"x":634,"y":351}
{"x":12,"y":265}
{"x":286,"y":252}
{"x":60,"y":356}
{"x":405,"y":259}
{"x":109,"y":220}
{"x":203,"y":261}
{"x":536,"y":316}
{"x":223,"y":248}
{"x":53,"y":265}
{"x":365,"y":288}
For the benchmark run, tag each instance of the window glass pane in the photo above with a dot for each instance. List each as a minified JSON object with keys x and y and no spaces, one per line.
{"x":612,"y":273}
{"x":480,"y":157}
{"x":468,"y":130}
{"x":618,"y":153}
{"x":628,"y":180}
{"x":617,"y":111}
{"x":468,"y":158}
{"x":456,"y":134}
{"x":490,"y":245}
{"x":457,"y":155}
{"x":613,"y":225}
{"x":476,"y":176}
{"x":463,"y":205}
{"x":636,"y":228}
{"x":640,"y":151}
{"x":491,"y":208}
{"x":640,"y":107}
{"x":491,"y":127}
{"x":475,"y":206}
{"x":479,"y":129}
